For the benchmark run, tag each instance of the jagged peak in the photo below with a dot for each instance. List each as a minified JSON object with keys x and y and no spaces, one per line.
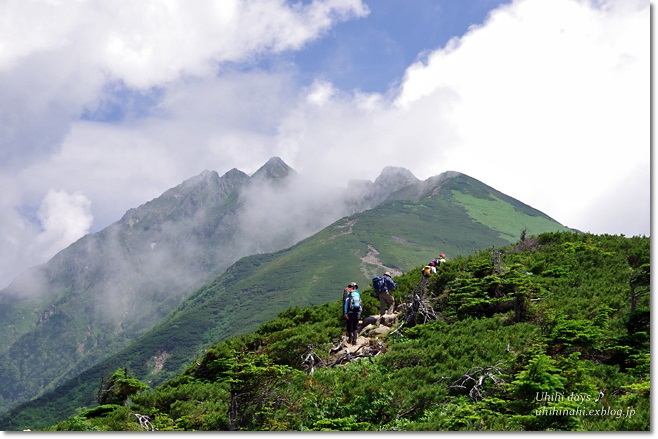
{"x":204,"y":176}
{"x":206,"y":185}
{"x":395,"y":177}
{"x":212,"y":179}
{"x":235,"y":177}
{"x":274,"y":169}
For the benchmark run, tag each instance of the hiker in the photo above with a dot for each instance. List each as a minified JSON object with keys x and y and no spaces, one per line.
{"x":346,"y":292}
{"x":440,"y":260}
{"x":385,"y":296}
{"x":352,"y":312}
{"x":427,"y":271}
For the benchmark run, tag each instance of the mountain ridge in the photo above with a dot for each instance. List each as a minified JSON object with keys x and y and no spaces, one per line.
{"x":216,"y":214}
{"x":393,"y":236}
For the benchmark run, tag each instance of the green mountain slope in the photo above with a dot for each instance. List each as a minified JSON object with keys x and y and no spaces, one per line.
{"x":551,"y":333}
{"x":444,"y":214}
{"x":107,"y":289}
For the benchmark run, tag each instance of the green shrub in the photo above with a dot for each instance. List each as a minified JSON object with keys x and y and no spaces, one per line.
{"x":553,"y":316}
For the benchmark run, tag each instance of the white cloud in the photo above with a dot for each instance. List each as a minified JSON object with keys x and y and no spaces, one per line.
{"x":59,"y":59}
{"x":56,"y":57}
{"x":65,"y":218}
{"x":338,"y":136}
{"x":151,"y":42}
{"x":157,"y":41}
{"x":545,"y":101}
{"x":553,"y":103}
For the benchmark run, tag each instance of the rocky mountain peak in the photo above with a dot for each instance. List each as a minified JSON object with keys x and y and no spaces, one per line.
{"x":393,"y":178}
{"x":203,"y":177}
{"x":274,"y":170}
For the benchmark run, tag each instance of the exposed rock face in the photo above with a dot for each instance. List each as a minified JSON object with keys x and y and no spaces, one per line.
{"x":275,"y":170}
{"x":394,"y":178}
{"x":364,"y":194}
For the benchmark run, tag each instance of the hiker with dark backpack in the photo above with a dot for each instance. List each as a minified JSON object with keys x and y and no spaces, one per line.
{"x":440,"y":260}
{"x":346,"y":292}
{"x":377,"y":286}
{"x":352,"y":312}
{"x":386,"y":300}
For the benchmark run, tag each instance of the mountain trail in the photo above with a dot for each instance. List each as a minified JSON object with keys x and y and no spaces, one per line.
{"x":368,"y":343}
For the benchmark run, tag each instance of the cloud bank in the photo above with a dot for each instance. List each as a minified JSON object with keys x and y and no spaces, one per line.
{"x":105,"y":107}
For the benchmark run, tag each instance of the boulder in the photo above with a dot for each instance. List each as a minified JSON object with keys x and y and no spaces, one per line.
{"x":370,"y":320}
{"x":388,"y":320}
{"x":367,"y":328}
{"x":379,"y":331}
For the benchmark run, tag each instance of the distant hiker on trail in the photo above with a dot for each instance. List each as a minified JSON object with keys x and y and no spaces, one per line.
{"x":385,"y":297}
{"x":427,"y":271}
{"x":352,"y":311}
{"x":430,"y":268}
{"x":440,"y":260}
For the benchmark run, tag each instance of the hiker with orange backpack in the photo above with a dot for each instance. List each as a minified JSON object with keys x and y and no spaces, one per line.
{"x":430,"y":269}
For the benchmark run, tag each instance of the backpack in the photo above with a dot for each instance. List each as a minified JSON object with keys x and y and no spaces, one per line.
{"x":378,"y":285}
{"x":354,"y":302}
{"x":427,"y":271}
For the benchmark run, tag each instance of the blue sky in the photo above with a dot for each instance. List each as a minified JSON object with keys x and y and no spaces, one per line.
{"x":370,"y":54}
{"x":105,"y":107}
{"x":373,"y":53}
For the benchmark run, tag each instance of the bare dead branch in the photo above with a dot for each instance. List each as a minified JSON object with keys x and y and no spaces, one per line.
{"x":472,"y":382}
{"x":144,"y":422}
{"x":311,"y":360}
{"x":418,"y":308}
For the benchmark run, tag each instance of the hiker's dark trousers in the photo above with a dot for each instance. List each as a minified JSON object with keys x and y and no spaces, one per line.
{"x":352,"y":323}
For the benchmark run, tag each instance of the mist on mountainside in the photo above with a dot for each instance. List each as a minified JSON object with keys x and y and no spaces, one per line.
{"x":276,"y":217}
{"x":109,"y":287}
{"x":174,"y":241}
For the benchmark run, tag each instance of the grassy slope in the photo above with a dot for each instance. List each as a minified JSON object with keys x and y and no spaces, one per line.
{"x":576,"y":336}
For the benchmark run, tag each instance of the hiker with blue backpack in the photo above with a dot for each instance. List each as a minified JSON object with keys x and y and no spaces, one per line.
{"x":352,"y":311}
{"x":383,"y":287}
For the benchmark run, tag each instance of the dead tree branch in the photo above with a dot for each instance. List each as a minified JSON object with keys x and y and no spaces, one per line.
{"x":496,"y":262}
{"x":144,"y":422}
{"x":364,"y":351}
{"x":472,"y":382}
{"x":418,"y":309}
{"x":311,"y":359}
